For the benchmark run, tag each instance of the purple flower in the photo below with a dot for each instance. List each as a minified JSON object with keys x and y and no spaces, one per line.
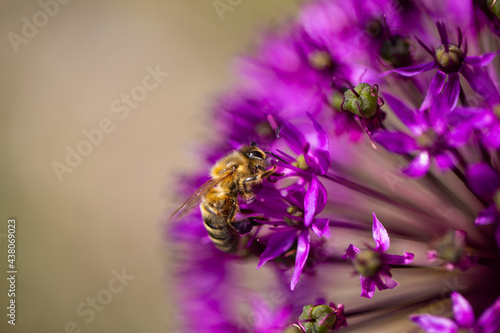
{"x":451,"y":249}
{"x":299,"y":221}
{"x":449,"y":60}
{"x":488,"y":322}
{"x":485,"y":182}
{"x":430,"y":136}
{"x":312,"y":149}
{"x":373,"y":264}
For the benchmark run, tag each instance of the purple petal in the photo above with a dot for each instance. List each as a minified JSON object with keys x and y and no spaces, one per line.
{"x":389,"y":282}
{"x":322,"y":197}
{"x":407,"y":115}
{"x":413,"y":70}
{"x":462,"y":310}
{"x":367,"y":286}
{"x":452,"y":90}
{"x":393,"y":259}
{"x":474,"y":80}
{"x":489,"y":322}
{"x":419,"y":166}
{"x":444,"y":161}
{"x":492,"y":137}
{"x":323,"y":141}
{"x":303,"y":246}
{"x":432,"y":255}
{"x":310,"y":202}
{"x":351,"y":252}
{"x":279,"y":242}
{"x":396,"y":142}
{"x":434,"y":324}
{"x":473,"y":116}
{"x":324,"y":160}
{"x":483,"y":180}
{"x":380,"y":235}
{"x":290,"y":133}
{"x":459,"y":136}
{"x":320,"y":161}
{"x":435,"y":88}
{"x":482,"y":60}
{"x":487,"y":216}
{"x":321,"y":227}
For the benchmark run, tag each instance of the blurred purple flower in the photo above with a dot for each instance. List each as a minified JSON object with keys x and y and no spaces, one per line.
{"x":485,"y":182}
{"x":464,"y":319}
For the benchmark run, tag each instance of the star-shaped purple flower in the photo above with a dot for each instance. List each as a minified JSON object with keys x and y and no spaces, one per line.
{"x":373,"y":264}
{"x":299,"y":221}
{"x":488,"y":322}
{"x":449,"y":60}
{"x":430,"y":136}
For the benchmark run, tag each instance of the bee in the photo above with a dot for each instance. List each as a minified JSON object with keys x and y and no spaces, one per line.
{"x":234,"y":175}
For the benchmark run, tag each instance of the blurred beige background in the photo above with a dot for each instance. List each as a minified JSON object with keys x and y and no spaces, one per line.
{"x":65,"y":69}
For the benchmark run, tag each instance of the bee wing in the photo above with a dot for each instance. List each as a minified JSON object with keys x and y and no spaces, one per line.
{"x":195,"y":199}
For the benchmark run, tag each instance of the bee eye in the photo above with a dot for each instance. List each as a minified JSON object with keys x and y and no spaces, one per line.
{"x":256,"y":154}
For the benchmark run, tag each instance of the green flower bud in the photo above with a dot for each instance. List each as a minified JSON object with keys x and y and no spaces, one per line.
{"x":451,"y":247}
{"x":367,"y":262}
{"x":494,"y":7}
{"x":450,"y":61}
{"x":362,"y":100}
{"x":396,"y":51}
{"x":293,"y":329}
{"x":336,"y":100}
{"x":318,"y":319}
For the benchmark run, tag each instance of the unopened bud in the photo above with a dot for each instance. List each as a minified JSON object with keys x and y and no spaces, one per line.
{"x":362,"y":100}
{"x":451,"y":247}
{"x":318,"y":319}
{"x":494,"y":7}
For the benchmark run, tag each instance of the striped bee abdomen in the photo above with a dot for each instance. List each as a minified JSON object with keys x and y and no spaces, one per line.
{"x":224,"y":237}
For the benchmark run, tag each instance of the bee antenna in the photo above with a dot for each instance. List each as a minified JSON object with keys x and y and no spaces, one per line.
{"x":273,"y":154}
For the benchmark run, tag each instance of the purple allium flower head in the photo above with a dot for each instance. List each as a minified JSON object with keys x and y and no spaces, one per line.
{"x":317,"y":99}
{"x":373,"y":264}
{"x":488,"y":322}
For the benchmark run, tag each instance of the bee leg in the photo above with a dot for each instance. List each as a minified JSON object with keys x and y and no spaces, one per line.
{"x":250,"y":198}
{"x":268,"y":172}
{"x":254,"y":220}
{"x":272,"y":180}
{"x":245,"y":225}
